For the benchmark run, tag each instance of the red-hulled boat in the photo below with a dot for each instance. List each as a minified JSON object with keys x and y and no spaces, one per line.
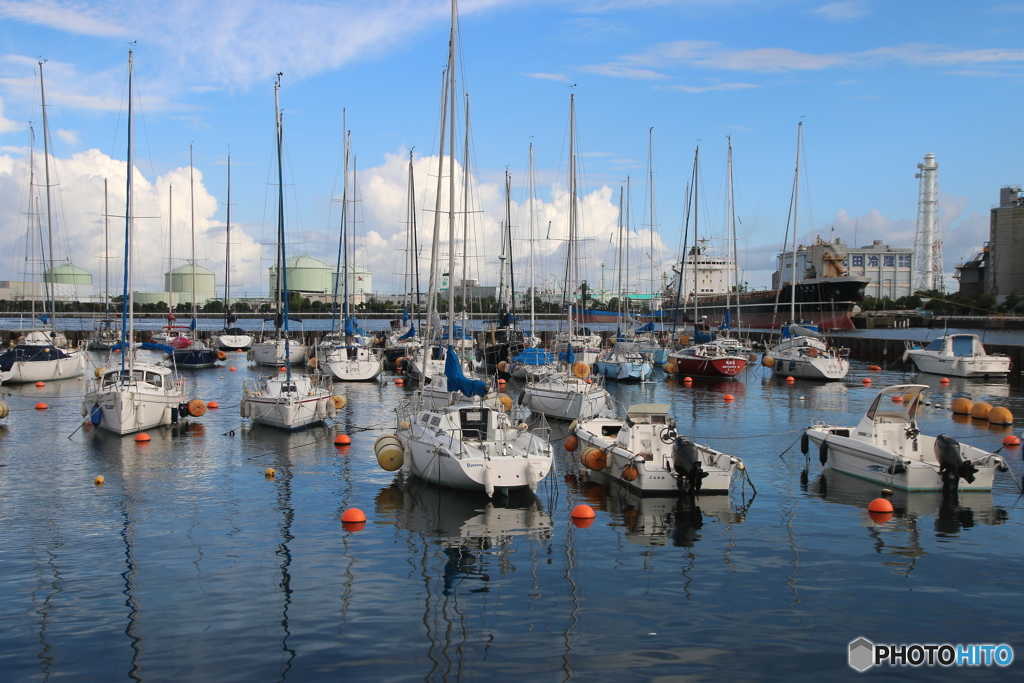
{"x":706,"y":360}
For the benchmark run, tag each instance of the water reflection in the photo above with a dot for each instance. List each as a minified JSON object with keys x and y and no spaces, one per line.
{"x":902,"y":534}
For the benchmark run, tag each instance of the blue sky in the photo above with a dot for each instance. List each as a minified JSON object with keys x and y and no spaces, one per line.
{"x":877,"y":84}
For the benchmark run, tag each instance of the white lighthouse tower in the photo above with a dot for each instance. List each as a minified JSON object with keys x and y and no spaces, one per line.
{"x":928,"y":240}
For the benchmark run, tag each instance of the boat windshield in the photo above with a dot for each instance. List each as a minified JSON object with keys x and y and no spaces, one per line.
{"x":963,"y":346}
{"x":935,"y":345}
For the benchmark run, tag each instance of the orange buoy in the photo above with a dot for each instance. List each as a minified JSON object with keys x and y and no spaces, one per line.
{"x":353,"y":515}
{"x":944,"y":380}
{"x":1011,"y":440}
{"x":40,"y":384}
{"x":342,"y":440}
{"x":728,"y":397}
{"x":501,"y":382}
{"x":99,"y":480}
{"x":962,"y":406}
{"x":790,"y":379}
{"x":399,"y":381}
{"x":41,"y":406}
{"x":269,"y":473}
{"x":282,"y":369}
{"x":874,"y":368}
{"x":880,"y":505}
{"x":880,"y":517}
{"x":233,"y":368}
{"x":221,"y":355}
{"x":1000,"y":416}
{"x":980,"y":411}
{"x":571,"y":443}
{"x":866,"y":381}
{"x":897,"y":399}
{"x":196,"y":408}
{"x":213,"y":405}
{"x":583,"y":511}
{"x":142,"y":438}
{"x":687,"y":379}
{"x":238,"y":350}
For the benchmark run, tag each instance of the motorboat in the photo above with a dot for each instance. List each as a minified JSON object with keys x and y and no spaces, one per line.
{"x":803,"y":354}
{"x":644,"y":453}
{"x":959,"y":355}
{"x":888,"y":448}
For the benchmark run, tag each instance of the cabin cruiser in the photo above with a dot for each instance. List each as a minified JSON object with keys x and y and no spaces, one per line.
{"x":959,"y":355}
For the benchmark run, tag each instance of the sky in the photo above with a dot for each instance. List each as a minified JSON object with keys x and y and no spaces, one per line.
{"x":876,"y":84}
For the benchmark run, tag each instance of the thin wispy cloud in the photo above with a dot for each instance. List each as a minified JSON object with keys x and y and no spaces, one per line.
{"x":712,"y":88}
{"x":622,"y":71}
{"x":547,"y":77}
{"x":6,"y":125}
{"x":844,"y":11}
{"x":69,"y":136}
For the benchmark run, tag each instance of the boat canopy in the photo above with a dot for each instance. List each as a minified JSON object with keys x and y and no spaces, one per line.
{"x":648,"y":409}
{"x":904,"y":410}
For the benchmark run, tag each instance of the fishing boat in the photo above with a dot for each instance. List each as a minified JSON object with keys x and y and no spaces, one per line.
{"x":470,"y":444}
{"x":704,"y":358}
{"x":230,"y":337}
{"x":41,"y":353}
{"x":189,"y":351}
{"x":286,"y":400}
{"x":644,"y":453}
{"x":801,"y":352}
{"x":887,"y":447}
{"x":133,"y":394}
{"x":959,"y":355}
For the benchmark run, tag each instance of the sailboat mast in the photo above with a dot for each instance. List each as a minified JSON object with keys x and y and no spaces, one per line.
{"x":650,"y":181}
{"x":432,"y":286}
{"x":106,"y":253}
{"x":49,"y":212}
{"x":343,"y":252}
{"x":192,"y":213}
{"x":170,"y":250}
{"x":451,"y":178}
{"x":796,"y":212}
{"x":618,"y":286}
{"x":533,"y":273}
{"x":729,"y":230}
{"x":570,"y":251}
{"x":465,"y":223}
{"x":282,"y":271}
{"x":227,"y":256}
{"x":696,"y":247}
{"x":127,"y":300}
{"x":412,"y":258}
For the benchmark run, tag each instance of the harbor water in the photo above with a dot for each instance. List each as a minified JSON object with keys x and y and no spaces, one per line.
{"x":190,"y":564}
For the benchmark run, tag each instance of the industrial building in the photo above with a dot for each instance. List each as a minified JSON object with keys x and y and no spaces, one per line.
{"x":891,"y":269}
{"x":1006,"y":245}
{"x":178,"y":287}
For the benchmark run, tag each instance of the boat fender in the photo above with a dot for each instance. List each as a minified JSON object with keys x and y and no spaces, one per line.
{"x":332,"y":409}
{"x":488,"y":483}
{"x":1001,"y":465}
{"x":221,"y":355}
{"x":389,"y":452}
{"x":524,"y":397}
{"x":805,"y":443}
{"x":321,"y":408}
{"x":165,"y":416}
{"x":531,"y":476}
{"x":768,"y":361}
{"x":243,"y":408}
{"x":96,"y":415}
{"x":85,"y":410}
{"x":630,"y":472}
{"x":250,"y":355}
{"x":823,"y":452}
{"x":573,"y":425}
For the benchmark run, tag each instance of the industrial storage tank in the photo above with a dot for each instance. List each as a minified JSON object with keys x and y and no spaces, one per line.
{"x":70,"y":283}
{"x":179,"y":281}
{"x":305,"y":274}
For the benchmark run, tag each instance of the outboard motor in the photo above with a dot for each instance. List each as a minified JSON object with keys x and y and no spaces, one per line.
{"x":952,"y":465}
{"x":686,"y":462}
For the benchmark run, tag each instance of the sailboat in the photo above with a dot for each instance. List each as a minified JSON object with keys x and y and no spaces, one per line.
{"x":278,"y":349}
{"x":802,"y":351}
{"x":403,"y":341}
{"x":134,"y":395}
{"x":623,"y":361}
{"x":285,"y":400}
{"x":189,"y":350}
{"x":468,"y":443}
{"x":705,"y":359}
{"x":42,"y":354}
{"x":105,"y":333}
{"x":230,"y":338}
{"x":570,"y":394}
{"x":348,"y":356}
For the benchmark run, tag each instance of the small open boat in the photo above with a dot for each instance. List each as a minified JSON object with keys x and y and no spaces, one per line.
{"x":644,"y":453}
{"x":887,"y":447}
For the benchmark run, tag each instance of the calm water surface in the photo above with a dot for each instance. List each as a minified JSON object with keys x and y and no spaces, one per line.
{"x":190,"y":565}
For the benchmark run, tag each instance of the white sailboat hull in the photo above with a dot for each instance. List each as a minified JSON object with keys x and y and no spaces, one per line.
{"x":810,"y":368}
{"x":565,"y":400}
{"x":232,"y":342}
{"x":128,"y":406}
{"x":46,"y":370}
{"x":273,"y":353}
